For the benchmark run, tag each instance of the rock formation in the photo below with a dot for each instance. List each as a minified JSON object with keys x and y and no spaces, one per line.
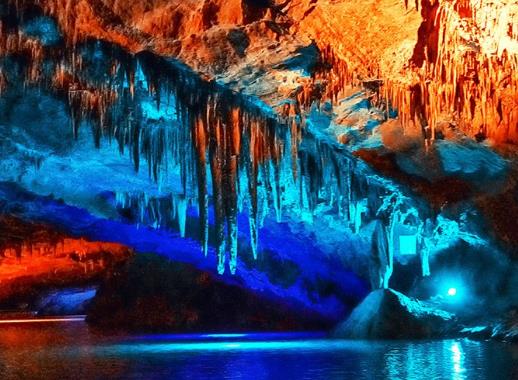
{"x":35,"y":257}
{"x":387,"y":314}
{"x":387,"y":127}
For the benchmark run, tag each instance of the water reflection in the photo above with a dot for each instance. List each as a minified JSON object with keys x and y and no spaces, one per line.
{"x":62,"y":351}
{"x":457,"y":361}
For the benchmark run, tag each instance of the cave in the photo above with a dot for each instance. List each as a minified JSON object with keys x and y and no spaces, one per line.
{"x":230,"y":189}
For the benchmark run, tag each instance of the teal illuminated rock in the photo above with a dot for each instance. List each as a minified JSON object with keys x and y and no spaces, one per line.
{"x":388,"y":314}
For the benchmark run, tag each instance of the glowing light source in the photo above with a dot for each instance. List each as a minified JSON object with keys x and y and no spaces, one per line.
{"x":453,"y":290}
{"x":249,"y":336}
{"x":72,"y":318}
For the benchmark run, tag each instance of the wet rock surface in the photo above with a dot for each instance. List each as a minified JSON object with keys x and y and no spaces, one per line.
{"x":387,"y":314}
{"x":503,"y":328}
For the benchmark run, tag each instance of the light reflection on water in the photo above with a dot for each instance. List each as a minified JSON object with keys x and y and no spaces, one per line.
{"x":63,"y":351}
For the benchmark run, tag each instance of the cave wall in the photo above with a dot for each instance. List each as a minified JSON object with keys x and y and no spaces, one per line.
{"x":108,"y":73}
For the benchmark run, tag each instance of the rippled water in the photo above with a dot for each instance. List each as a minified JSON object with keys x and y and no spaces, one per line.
{"x":72,"y":350}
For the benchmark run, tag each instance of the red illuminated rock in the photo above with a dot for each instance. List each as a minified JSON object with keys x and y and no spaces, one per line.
{"x":34,"y":256}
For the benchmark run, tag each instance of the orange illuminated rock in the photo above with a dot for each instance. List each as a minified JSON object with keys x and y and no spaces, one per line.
{"x":36,"y":256}
{"x":455,"y":60}
{"x":436,"y":60}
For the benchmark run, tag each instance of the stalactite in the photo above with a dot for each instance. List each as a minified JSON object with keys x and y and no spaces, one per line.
{"x":217,"y":138}
{"x":470,"y":72}
{"x":181,"y":207}
{"x":24,"y":241}
{"x":27,"y":49}
{"x":200,"y":143}
{"x":425,"y":234}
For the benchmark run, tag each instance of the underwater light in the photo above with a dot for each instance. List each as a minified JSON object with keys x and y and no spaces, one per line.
{"x":452,"y":292}
{"x":288,"y":344}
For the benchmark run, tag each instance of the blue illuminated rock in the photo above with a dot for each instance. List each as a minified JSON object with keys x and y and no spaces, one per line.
{"x":66,"y":302}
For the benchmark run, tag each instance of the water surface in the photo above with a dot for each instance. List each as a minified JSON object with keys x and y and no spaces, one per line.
{"x":73,"y":351}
